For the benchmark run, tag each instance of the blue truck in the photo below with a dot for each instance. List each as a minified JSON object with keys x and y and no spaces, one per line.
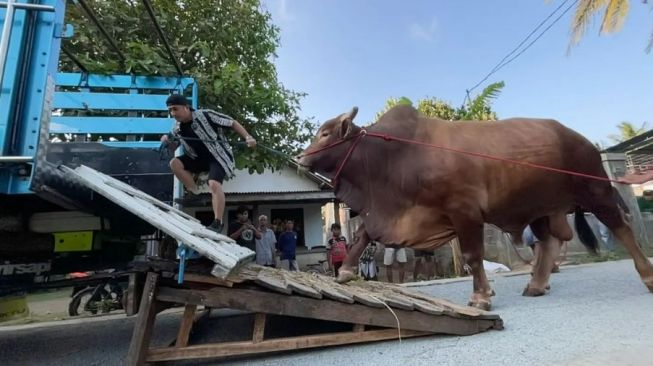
{"x":49,"y":224}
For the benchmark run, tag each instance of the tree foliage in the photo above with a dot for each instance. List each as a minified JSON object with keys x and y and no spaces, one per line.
{"x":614,"y":16}
{"x":627,"y":131}
{"x":478,"y":108}
{"x":227,"y":46}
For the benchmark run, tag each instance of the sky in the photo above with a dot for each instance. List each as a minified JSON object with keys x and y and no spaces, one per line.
{"x":346,"y":53}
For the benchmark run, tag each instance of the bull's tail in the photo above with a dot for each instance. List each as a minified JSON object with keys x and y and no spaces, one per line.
{"x":585,"y":233}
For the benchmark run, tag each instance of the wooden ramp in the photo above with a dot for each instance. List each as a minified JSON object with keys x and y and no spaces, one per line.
{"x":371,"y":311}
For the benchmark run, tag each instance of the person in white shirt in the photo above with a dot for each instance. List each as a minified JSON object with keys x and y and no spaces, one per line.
{"x":266,"y":245}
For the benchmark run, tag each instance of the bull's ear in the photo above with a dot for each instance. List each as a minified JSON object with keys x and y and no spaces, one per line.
{"x":347,"y":120}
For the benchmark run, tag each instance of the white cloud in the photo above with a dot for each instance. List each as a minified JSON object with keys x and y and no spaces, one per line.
{"x":424,"y":32}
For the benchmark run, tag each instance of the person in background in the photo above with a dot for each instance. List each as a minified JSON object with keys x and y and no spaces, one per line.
{"x":242,"y":230}
{"x":336,"y":248}
{"x":287,"y":245}
{"x":266,"y":245}
{"x":367,"y":264}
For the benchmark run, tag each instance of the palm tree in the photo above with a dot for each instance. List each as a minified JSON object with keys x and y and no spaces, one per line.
{"x":627,"y":131}
{"x":613,"y":18}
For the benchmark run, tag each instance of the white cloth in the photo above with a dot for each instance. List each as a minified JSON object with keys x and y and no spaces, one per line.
{"x":390,"y":254}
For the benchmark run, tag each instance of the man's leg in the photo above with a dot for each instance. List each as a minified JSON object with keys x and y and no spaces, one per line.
{"x":217,"y":199}
{"x":430,"y":266}
{"x":216,"y":176}
{"x":186,"y":178}
{"x":401,"y":261}
{"x":417,"y":268}
{"x":388,"y":260}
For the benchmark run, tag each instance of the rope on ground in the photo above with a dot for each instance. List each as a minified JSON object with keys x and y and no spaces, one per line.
{"x":393,"y":314}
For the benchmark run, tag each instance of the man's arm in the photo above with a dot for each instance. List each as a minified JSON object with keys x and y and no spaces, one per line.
{"x":236,"y":233}
{"x":240,"y":130}
{"x":257,"y":232}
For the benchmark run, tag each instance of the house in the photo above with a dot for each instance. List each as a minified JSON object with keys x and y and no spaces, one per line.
{"x":286,"y":193}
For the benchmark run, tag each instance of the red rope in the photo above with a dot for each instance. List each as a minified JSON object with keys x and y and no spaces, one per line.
{"x":386,"y":137}
{"x":359,"y":137}
{"x":485,"y":156}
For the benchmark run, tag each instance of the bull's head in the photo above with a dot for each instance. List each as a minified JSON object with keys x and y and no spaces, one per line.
{"x":332,"y":131}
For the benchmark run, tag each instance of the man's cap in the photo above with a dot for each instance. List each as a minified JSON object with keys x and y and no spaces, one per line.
{"x":176,"y":99}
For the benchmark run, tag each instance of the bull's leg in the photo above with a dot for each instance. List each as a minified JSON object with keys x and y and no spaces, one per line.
{"x":602,"y":201}
{"x":470,"y":236}
{"x":624,"y":234}
{"x":547,"y":251}
{"x":546,"y":254}
{"x":361,"y":239}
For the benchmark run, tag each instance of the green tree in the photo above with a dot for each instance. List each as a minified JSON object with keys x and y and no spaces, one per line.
{"x":227,"y":46}
{"x":614,"y":15}
{"x":627,"y":131}
{"x":478,"y":109}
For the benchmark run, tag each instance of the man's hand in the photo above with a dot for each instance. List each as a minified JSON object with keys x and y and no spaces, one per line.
{"x":251,"y":142}
{"x":165,"y":139}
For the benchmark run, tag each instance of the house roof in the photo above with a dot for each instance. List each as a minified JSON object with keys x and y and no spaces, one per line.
{"x":643,"y":143}
{"x":288,"y":179}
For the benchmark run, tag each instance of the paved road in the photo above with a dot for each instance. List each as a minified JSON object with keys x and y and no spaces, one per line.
{"x":595,"y":315}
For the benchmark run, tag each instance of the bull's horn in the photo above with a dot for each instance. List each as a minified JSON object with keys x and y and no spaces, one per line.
{"x":353,"y":113}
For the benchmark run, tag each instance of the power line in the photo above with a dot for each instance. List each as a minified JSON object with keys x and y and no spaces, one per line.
{"x":503,"y":61}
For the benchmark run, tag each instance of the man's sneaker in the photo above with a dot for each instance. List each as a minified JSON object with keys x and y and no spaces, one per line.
{"x":190,"y":199}
{"x":216,"y":226}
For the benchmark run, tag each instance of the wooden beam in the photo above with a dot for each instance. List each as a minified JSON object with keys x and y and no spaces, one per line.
{"x":147,"y":311}
{"x":297,"y":306}
{"x":273,"y":345}
{"x":186,"y":325}
{"x":259,"y":327}
{"x":134,"y":293}
{"x":196,"y":278}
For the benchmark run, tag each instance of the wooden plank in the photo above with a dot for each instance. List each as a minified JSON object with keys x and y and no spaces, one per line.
{"x":398,"y":302}
{"x":302,"y":289}
{"x":272,"y":283}
{"x":140,"y":341}
{"x":380,"y":298}
{"x":134,"y":293}
{"x":259,"y":327}
{"x":368,"y":300}
{"x":329,"y":288}
{"x":226,"y":255}
{"x":197,"y":278}
{"x":186,"y":325}
{"x":299,"y":306}
{"x":273,"y":345}
{"x":147,"y":198}
{"x":427,"y":307}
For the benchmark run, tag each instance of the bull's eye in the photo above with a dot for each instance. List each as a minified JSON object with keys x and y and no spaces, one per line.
{"x":325,"y":133}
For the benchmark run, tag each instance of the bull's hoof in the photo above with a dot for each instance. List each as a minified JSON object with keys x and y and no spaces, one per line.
{"x":533,"y":291}
{"x":556,"y":269}
{"x":344,"y":276}
{"x":649,"y":284}
{"x":480,"y":304}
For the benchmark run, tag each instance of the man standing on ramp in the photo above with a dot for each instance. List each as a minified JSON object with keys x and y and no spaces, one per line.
{"x":206,"y":148}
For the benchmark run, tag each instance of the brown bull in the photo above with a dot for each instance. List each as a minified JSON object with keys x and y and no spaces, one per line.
{"x":420,"y":197}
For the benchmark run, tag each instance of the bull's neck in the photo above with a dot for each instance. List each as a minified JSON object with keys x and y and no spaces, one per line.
{"x":352,"y":185}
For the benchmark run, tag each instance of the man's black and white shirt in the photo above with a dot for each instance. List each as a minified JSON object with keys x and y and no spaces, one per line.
{"x":209,"y":126}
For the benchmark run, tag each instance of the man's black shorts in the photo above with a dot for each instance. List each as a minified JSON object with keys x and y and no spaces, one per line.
{"x":216,"y":172}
